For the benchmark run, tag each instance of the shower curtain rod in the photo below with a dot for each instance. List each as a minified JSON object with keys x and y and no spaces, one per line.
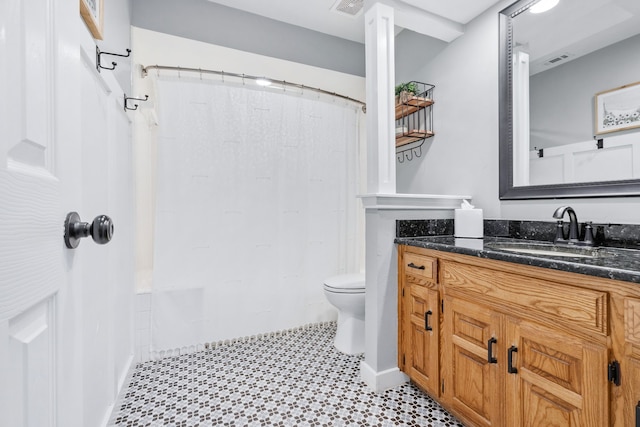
{"x":145,"y":72}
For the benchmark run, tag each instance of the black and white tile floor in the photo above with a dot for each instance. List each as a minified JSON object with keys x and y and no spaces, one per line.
{"x":293,"y":378}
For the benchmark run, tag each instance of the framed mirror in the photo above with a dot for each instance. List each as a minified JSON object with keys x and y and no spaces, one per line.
{"x":569,"y":98}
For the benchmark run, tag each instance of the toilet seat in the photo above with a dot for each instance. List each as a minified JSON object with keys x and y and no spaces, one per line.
{"x":345,"y":284}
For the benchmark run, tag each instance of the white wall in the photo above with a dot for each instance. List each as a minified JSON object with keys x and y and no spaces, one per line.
{"x":462,"y":158}
{"x":102,"y":353}
{"x":117,"y":39}
{"x":562,"y":97}
{"x":221,"y":25}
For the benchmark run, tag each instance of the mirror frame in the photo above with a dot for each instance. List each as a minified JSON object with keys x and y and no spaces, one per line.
{"x":619,"y":188}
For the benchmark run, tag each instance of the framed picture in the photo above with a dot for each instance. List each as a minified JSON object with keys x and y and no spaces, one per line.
{"x":92,"y":13}
{"x":617,"y":109}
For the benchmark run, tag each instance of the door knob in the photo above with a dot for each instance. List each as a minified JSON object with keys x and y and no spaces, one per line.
{"x":101,"y":230}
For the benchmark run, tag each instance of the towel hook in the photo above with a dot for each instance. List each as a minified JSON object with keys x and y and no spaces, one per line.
{"x":113,"y":64}
{"x":135,"y":106}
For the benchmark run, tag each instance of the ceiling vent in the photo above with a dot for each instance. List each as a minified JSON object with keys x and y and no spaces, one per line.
{"x":349,"y":7}
{"x":558,"y":59}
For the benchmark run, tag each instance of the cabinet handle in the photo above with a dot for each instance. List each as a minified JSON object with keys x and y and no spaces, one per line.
{"x":426,"y":320}
{"x":490,"y":344}
{"x":638,"y":414}
{"x":418,"y":267}
{"x":510,"y":368}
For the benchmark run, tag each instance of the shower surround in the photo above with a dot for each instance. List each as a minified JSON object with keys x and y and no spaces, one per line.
{"x":256,"y":205}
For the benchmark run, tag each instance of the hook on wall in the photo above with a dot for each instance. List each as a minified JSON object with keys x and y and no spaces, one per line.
{"x":135,"y":106}
{"x":113,"y":64}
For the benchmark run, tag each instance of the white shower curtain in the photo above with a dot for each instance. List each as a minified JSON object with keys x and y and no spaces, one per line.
{"x":256,"y":205}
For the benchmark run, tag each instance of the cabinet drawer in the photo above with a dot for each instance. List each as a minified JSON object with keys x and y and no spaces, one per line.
{"x":548,"y":301}
{"x":420,"y":266}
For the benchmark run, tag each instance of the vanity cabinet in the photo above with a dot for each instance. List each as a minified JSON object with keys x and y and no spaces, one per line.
{"x":521,"y":345}
{"x":420,"y":327}
{"x":629,"y":342}
{"x":470,"y":346}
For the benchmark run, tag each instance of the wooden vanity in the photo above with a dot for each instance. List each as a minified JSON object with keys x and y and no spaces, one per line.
{"x":504,"y":344}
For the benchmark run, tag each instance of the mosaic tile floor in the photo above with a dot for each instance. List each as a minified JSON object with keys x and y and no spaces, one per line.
{"x":294,"y":378}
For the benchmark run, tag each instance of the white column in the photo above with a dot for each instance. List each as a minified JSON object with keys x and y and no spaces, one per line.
{"x":520,"y":118}
{"x":379,"y":369}
{"x":380,"y":69}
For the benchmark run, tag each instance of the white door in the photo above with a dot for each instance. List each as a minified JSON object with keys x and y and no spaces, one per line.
{"x":37,"y":142}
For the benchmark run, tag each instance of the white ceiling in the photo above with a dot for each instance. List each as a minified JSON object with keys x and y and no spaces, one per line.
{"x":318,"y":15}
{"x":591,"y":25}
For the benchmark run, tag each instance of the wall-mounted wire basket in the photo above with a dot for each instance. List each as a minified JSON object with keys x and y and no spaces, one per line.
{"x":414,"y":120}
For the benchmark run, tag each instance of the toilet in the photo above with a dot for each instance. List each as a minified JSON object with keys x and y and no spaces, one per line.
{"x":346,"y":293}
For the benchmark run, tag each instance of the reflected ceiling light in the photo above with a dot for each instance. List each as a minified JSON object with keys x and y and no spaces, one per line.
{"x":263,"y":82}
{"x":543,"y":6}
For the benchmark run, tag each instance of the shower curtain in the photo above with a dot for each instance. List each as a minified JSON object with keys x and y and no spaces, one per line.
{"x":256,"y":205}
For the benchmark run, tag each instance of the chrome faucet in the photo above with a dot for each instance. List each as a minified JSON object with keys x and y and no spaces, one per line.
{"x":574,"y":234}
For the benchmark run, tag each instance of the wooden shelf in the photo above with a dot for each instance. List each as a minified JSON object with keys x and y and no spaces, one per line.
{"x":412,"y":105}
{"x":412,"y":136}
{"x":414,"y":120}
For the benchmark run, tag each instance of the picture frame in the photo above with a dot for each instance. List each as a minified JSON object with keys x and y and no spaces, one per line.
{"x":92,"y":12}
{"x":617,"y":109}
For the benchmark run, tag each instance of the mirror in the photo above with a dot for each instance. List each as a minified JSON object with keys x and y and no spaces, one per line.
{"x":569,"y":90}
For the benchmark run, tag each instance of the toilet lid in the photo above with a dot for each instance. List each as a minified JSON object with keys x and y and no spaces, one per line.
{"x":345,"y":283}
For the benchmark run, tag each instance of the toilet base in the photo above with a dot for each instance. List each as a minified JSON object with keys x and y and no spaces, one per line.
{"x":350,"y":335}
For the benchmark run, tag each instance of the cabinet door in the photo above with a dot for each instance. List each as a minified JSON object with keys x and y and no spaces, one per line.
{"x":422,"y":329}
{"x":470,"y":373}
{"x":629,"y":328}
{"x":555,"y":379}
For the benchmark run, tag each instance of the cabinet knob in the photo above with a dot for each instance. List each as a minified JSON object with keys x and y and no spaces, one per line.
{"x":100,"y":230}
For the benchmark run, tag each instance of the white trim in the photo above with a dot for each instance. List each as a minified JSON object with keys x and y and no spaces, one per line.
{"x":380,"y":52}
{"x":381,"y":381}
{"x":123,"y":384}
{"x":411,"y":201}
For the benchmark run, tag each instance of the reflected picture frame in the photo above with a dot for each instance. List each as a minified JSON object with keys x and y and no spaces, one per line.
{"x":617,"y":109}
{"x":92,"y":12}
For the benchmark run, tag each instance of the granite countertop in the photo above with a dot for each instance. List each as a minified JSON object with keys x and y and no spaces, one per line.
{"x":608,"y":262}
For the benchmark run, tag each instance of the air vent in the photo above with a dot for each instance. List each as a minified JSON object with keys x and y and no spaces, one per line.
{"x":558,"y":59}
{"x":350,"y":7}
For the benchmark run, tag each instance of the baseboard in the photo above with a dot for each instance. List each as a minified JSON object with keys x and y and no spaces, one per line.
{"x":381,"y":381}
{"x":123,"y":382}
